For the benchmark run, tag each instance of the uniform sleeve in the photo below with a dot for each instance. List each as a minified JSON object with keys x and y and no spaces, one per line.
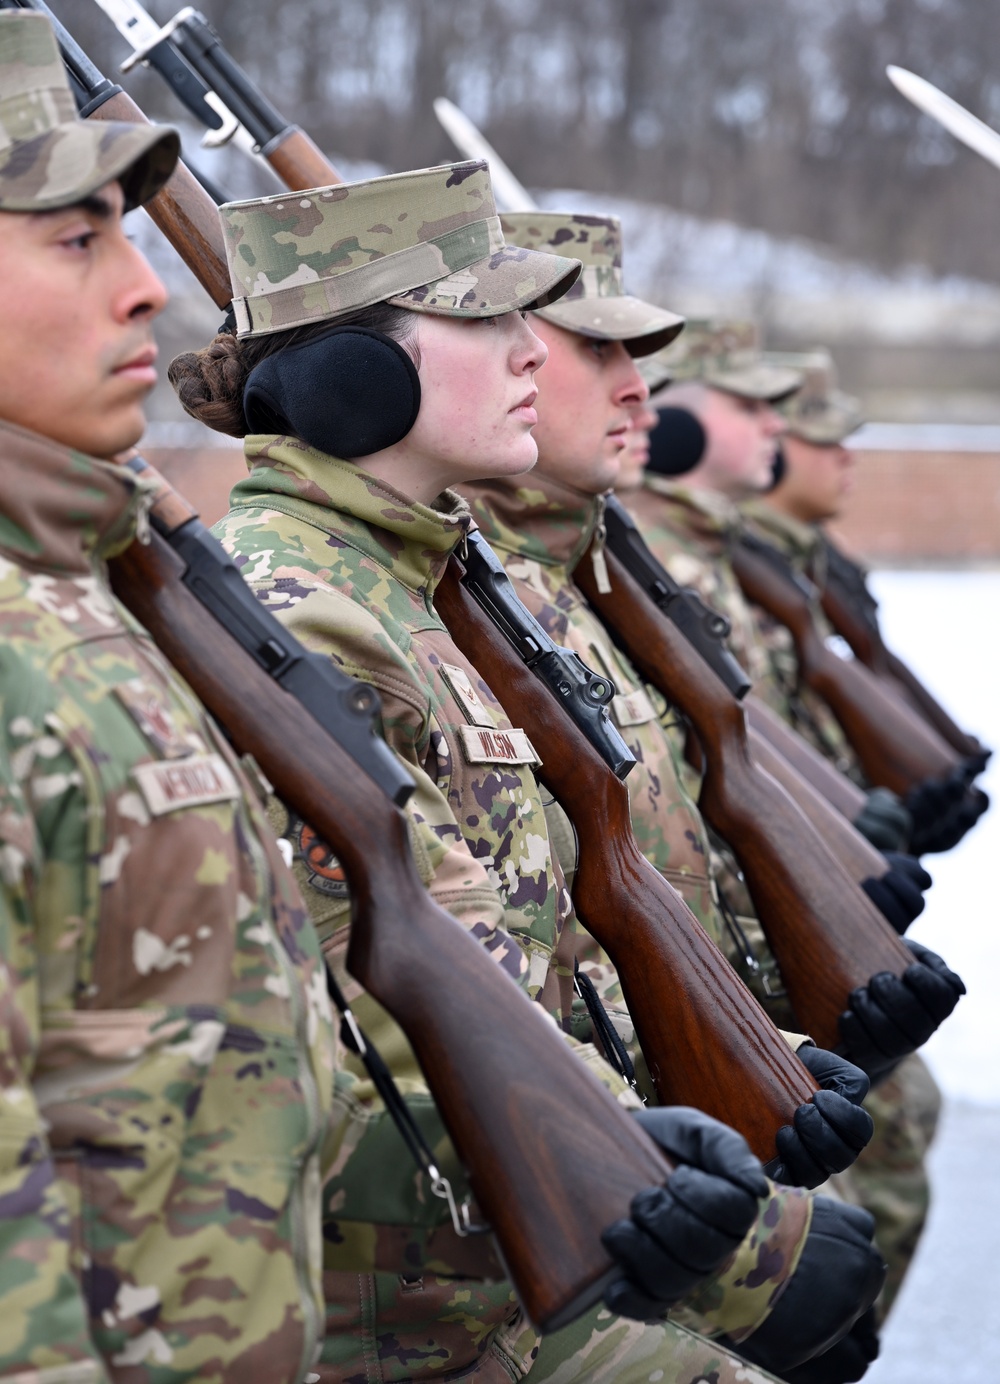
{"x":740,"y":1297}
{"x":43,"y":1325}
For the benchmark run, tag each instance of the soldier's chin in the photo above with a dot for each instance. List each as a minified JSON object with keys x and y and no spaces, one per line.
{"x":117,"y":434}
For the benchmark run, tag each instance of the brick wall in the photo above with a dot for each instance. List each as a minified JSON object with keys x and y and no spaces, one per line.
{"x":914,"y":507}
{"x":908,"y":507}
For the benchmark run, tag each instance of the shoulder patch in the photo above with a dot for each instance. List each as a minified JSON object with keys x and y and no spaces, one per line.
{"x":475,"y":710}
{"x":152,"y":713}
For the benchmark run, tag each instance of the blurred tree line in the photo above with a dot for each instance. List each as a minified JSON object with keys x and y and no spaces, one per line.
{"x":772,"y":113}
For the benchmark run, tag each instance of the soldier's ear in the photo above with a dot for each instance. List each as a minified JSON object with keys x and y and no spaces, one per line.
{"x":349,"y":393}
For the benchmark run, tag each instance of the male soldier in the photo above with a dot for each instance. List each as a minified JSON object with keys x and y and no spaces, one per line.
{"x":168,"y":1049}
{"x":691,"y":525}
{"x":813,"y":478}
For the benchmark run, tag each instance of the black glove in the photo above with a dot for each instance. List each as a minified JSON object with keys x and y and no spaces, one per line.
{"x":839,"y":1276}
{"x":892,"y":1016}
{"x":930,"y":800}
{"x":884,"y":820}
{"x":899,"y":893}
{"x":944,"y":832}
{"x":680,"y":1233}
{"x":828,"y":1133}
{"x":845,"y":1362}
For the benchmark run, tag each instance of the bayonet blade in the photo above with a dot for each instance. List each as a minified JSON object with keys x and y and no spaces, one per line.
{"x":133,"y":23}
{"x":965,"y":126}
{"x":510,"y":194}
{"x":151,"y":44}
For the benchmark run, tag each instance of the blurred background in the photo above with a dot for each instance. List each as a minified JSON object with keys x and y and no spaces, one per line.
{"x":758,"y":156}
{"x":763,"y":166}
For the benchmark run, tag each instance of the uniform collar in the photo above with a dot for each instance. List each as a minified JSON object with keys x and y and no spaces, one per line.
{"x":705,"y":513}
{"x":792,"y":536}
{"x":61,"y":510}
{"x":412,"y":541}
{"x":536,"y":517}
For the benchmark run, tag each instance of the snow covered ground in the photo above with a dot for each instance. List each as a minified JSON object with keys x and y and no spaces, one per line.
{"x":945,"y":1328}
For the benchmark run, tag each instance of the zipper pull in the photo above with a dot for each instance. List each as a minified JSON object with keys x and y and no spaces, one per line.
{"x":597,"y":550}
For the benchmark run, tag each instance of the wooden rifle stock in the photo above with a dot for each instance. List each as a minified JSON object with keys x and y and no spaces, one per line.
{"x":895,"y":746}
{"x":836,"y":787}
{"x":552,"y":1158}
{"x":860,"y":628}
{"x":827,"y":936}
{"x":858,"y":856}
{"x":705,"y":1039}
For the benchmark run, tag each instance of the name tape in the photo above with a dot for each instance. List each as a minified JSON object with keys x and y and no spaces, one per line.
{"x":484,"y":746}
{"x":196,"y":781}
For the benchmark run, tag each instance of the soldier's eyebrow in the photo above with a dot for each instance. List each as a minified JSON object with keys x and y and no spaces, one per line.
{"x":95,"y":205}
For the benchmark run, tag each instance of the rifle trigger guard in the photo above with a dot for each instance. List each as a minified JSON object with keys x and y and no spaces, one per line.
{"x":461,"y":1218}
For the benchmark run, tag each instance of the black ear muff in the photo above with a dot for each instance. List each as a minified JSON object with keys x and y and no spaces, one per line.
{"x":677,"y":443}
{"x":778,"y":467}
{"x":348,"y":393}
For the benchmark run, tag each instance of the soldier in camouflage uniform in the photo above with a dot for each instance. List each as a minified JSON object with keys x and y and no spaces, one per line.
{"x":349,"y":555}
{"x":691,"y":528}
{"x":693,"y":523}
{"x":815,"y":480}
{"x":168,"y":1050}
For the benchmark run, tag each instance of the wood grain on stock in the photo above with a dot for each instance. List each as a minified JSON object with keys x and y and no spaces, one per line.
{"x":705,"y":1039}
{"x":896,"y":747}
{"x":868,"y":646}
{"x":827,"y":935}
{"x":184,"y":212}
{"x":300,"y":163}
{"x":836,"y":787}
{"x":552,"y":1158}
{"x":858,"y":856}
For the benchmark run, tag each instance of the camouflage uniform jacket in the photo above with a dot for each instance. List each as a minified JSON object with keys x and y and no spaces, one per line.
{"x":540,"y":529}
{"x":693,"y":533}
{"x":351,"y":565}
{"x":167,"y":1050}
{"x":803,"y":546}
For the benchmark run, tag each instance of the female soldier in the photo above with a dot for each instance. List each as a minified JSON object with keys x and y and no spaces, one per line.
{"x":380,"y":357}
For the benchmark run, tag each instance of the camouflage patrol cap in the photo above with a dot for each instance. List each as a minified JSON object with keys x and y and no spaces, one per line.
{"x":726,"y":355}
{"x":430,"y":241}
{"x":818,"y":412}
{"x":49,"y":157}
{"x":597,"y":304}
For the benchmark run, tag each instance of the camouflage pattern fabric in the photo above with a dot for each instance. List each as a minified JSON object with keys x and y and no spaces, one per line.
{"x":725,"y":354}
{"x":890,"y":1177}
{"x":540,"y":529}
{"x":597,"y":304}
{"x":818,"y":411}
{"x":603,"y":1349}
{"x":429,"y":240}
{"x":691,"y":532}
{"x":48,"y":157}
{"x":168,"y":1052}
{"x":351,"y":566}
{"x":794,"y":702}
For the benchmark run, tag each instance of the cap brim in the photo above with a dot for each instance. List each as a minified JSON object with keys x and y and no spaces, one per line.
{"x":772,"y":383}
{"x":642,"y":327}
{"x":837,"y":421}
{"x":508,"y":280}
{"x":71,"y":161}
